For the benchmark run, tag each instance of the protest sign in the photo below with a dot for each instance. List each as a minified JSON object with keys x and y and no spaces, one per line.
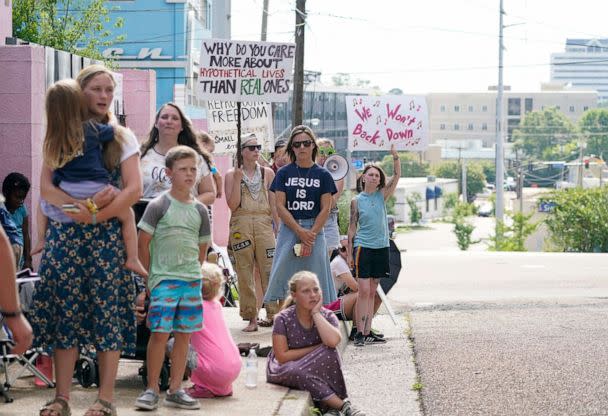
{"x":245,"y":71}
{"x":375,"y":123}
{"x":255,"y":118}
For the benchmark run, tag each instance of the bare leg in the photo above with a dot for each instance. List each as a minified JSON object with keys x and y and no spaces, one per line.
{"x":41,"y":223}
{"x":333,"y":402}
{"x":129,"y":234}
{"x":157,"y":346}
{"x":370,"y":305}
{"x":179,"y":356}
{"x":65,"y":361}
{"x":361,"y":309}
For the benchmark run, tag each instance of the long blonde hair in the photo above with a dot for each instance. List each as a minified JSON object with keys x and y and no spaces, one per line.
{"x":112,"y":151}
{"x":66,"y":110}
{"x":293,"y":285}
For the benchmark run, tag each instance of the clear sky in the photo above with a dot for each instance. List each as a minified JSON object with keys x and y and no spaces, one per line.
{"x":429,"y":45}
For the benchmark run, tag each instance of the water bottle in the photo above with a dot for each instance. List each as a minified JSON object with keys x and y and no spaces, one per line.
{"x":251,"y":370}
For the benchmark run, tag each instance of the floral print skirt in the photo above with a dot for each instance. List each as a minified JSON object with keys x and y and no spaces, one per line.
{"x":85,"y":297}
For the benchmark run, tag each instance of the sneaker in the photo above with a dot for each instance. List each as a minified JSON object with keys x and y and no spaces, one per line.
{"x":371,"y":338}
{"x":148,"y":400}
{"x":181,"y":399}
{"x":353,"y":332}
{"x":359,"y":340}
{"x":333,"y":412}
{"x":349,"y":410}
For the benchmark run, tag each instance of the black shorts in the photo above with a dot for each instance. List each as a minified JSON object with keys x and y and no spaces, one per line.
{"x":371,"y":262}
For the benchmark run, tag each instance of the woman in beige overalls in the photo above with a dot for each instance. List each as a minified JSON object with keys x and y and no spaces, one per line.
{"x":252,"y":239}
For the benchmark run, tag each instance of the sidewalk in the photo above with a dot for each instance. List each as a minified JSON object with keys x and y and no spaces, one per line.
{"x":266,"y":399}
{"x":385,"y":366}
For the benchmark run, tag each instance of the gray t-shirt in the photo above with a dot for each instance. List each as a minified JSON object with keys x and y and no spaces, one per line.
{"x":177,"y":231}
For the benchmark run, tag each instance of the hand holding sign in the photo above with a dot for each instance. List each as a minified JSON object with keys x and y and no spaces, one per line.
{"x":375,"y":123}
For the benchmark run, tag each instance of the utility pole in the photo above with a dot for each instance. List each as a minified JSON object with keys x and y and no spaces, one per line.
{"x":298,"y":76}
{"x":580,"y":163}
{"x":500,"y":174}
{"x":465,"y":197}
{"x":264,"y":20}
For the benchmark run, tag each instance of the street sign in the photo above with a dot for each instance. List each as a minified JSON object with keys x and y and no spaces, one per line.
{"x":546,"y":206}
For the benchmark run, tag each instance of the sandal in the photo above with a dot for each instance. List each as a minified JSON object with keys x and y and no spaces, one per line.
{"x":107,"y":409}
{"x":245,"y":347}
{"x":265,"y":323}
{"x":51,"y":410}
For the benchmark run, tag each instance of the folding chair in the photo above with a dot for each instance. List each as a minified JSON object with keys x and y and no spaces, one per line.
{"x":27,"y":361}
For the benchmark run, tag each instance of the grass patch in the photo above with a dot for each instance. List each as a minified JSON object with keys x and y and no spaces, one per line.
{"x":401,"y":229}
{"x":417,"y":386}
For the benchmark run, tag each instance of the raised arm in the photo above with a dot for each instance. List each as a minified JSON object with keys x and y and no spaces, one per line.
{"x":391,"y":184}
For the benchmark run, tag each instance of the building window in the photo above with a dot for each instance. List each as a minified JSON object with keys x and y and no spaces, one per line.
{"x":442,"y":126}
{"x":442,"y":108}
{"x":572,"y":109}
{"x":470,"y":126}
{"x":484,"y":108}
{"x":585,"y":108}
{"x":514,"y":106}
{"x":528,"y":104}
{"x":471,"y":109}
{"x":457,"y":108}
{"x":456,"y":126}
{"x":484,"y":126}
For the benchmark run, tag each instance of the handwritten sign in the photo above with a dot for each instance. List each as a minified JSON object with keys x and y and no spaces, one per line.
{"x":245,"y":71}
{"x":255,"y":118}
{"x":375,"y":123}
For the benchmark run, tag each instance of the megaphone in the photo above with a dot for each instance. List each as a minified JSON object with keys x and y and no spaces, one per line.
{"x":337,"y":166}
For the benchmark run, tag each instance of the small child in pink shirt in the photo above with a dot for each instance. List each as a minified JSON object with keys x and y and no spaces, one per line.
{"x":219,"y":361}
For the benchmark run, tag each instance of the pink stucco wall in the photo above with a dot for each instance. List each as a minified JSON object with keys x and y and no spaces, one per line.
{"x":221,"y":212}
{"x":139,"y":95}
{"x":6,"y":20}
{"x":22,"y":89}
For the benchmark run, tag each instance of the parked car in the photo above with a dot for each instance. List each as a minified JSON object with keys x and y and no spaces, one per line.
{"x":486,"y":209}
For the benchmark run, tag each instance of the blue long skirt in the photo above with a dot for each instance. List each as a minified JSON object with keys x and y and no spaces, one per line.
{"x":85,"y":297}
{"x":286,"y":264}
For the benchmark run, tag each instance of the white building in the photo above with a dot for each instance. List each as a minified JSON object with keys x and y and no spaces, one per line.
{"x":467,"y":121}
{"x":584,"y":65}
{"x":432,"y":192}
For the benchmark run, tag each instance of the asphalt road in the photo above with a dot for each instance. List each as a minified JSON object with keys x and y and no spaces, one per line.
{"x":505,"y":333}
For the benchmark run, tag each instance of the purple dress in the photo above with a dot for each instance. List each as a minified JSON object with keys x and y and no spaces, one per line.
{"x":319,"y":372}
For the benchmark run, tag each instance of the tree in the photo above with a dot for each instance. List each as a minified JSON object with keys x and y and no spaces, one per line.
{"x":579,"y":220}
{"x":476,"y":180}
{"x":78,"y":26}
{"x":410,"y":166}
{"x":594,"y":126}
{"x":543,"y":134}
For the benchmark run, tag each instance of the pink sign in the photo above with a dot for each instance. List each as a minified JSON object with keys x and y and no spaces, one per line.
{"x":375,"y":123}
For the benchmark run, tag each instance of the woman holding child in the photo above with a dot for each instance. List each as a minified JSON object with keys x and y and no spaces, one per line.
{"x":304,"y":341}
{"x":303,"y":192}
{"x":86,"y":296}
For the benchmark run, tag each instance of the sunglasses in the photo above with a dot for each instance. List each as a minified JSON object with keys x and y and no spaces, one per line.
{"x":253,"y":147}
{"x":306,"y":143}
{"x":326,"y":152}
